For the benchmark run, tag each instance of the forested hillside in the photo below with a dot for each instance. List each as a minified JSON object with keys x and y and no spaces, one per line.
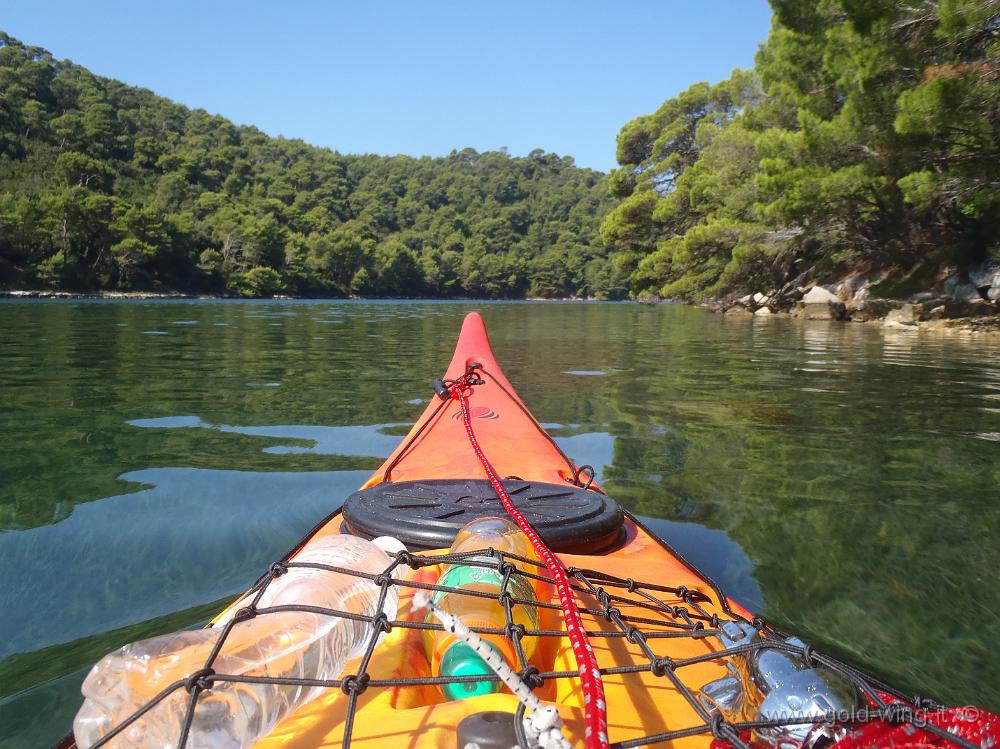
{"x":866,"y":139}
{"x":108,"y":186}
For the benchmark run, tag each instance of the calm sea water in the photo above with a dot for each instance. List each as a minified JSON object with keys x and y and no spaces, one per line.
{"x":154,"y":457}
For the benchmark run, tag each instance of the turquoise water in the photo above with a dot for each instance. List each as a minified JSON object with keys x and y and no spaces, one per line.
{"x":155,"y":456}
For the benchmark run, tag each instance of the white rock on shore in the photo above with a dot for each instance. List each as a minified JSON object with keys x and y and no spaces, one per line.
{"x":819,"y":303}
{"x":819,"y":295}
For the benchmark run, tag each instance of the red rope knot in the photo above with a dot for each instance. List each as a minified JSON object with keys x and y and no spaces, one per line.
{"x":459,"y":385}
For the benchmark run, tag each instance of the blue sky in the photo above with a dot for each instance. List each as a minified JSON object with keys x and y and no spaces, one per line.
{"x":410,"y":77}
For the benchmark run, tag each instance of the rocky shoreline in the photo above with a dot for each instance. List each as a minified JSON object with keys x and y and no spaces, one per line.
{"x":48,"y":294}
{"x":966,"y":302}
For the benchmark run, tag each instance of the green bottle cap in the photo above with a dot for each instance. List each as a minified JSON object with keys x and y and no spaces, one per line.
{"x":461,"y":660}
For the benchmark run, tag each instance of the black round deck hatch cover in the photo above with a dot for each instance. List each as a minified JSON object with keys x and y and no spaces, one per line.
{"x":429,"y":514}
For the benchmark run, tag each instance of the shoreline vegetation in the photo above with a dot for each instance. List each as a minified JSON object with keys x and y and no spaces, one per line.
{"x":851,"y":174}
{"x":105,"y":186}
{"x":859,"y":152}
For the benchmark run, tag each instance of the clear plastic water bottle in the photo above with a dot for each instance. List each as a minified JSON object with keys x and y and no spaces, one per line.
{"x":451,"y":657}
{"x":287,"y":644}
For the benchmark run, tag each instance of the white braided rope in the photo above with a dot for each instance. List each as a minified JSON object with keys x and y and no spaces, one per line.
{"x":542,"y":724}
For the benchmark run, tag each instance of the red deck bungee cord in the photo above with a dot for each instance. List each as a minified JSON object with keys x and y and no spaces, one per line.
{"x":595,"y":707}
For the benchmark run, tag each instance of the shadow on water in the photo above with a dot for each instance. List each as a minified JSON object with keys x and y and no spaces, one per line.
{"x":840,"y":479}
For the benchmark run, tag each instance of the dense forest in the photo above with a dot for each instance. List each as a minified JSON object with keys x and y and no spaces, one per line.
{"x":108,"y":186}
{"x":867,"y":138}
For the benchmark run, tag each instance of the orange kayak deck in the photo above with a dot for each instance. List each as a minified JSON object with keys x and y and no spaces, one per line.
{"x":640,"y":703}
{"x":675,"y":607}
{"x":437,"y":446}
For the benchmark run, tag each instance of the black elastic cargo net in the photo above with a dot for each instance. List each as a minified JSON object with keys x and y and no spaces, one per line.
{"x":599,"y":595}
